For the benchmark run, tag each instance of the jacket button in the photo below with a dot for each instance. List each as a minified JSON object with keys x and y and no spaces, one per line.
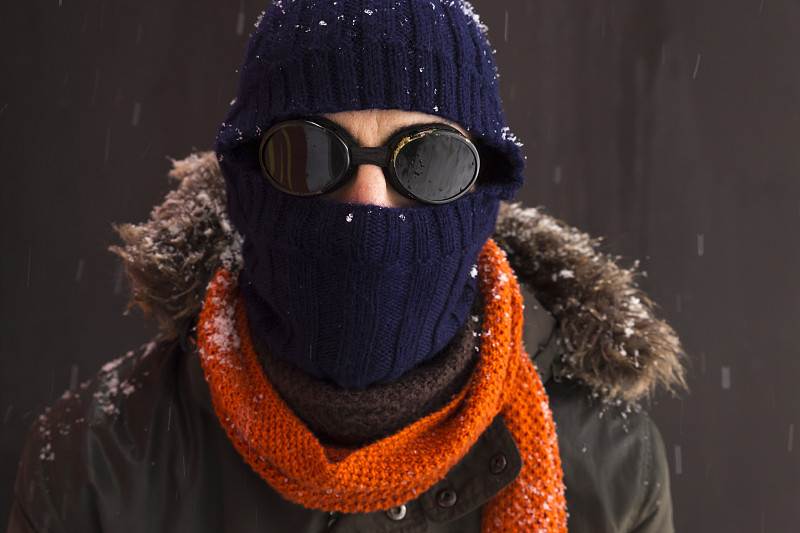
{"x":498,"y":463}
{"x":397,"y":513}
{"x":446,"y":498}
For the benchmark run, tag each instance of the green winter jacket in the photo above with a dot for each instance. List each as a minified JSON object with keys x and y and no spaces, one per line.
{"x":139,"y":447}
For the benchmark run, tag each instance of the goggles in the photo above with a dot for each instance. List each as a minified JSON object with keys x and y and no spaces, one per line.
{"x":431,"y":163}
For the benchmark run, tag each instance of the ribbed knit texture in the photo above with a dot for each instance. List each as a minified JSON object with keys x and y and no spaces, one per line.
{"x":358,"y":295}
{"x":308,"y":57}
{"x":355,"y":294}
{"x":398,"y":468}
{"x":349,"y":418}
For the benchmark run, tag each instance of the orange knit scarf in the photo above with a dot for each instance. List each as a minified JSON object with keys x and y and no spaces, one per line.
{"x":394,"y":470}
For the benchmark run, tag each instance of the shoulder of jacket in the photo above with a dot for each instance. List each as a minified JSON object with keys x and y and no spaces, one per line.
{"x":614,"y":462}
{"x":88,"y":433}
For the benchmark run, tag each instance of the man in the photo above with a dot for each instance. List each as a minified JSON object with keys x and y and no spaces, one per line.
{"x":348,"y":355}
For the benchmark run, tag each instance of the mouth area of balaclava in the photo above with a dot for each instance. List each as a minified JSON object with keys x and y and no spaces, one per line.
{"x":357,"y":294}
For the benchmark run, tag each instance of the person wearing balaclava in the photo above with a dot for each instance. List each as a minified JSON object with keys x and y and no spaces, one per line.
{"x":357,"y":362}
{"x":356,"y":295}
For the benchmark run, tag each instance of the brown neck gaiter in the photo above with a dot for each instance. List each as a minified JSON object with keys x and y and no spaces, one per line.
{"x":355,"y":418}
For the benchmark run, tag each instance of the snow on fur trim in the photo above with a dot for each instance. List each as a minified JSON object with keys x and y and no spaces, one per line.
{"x":616,"y":345}
{"x":170,"y":259}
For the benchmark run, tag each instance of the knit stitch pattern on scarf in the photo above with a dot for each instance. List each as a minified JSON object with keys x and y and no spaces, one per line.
{"x":398,"y":468}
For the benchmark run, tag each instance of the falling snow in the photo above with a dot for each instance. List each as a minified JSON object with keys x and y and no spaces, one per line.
{"x":136,"y":114}
{"x":240,"y":20}
{"x":696,"y":67}
{"x":726,"y":377}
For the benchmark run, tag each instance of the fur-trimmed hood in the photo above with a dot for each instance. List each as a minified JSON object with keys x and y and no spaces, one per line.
{"x":614,"y":342}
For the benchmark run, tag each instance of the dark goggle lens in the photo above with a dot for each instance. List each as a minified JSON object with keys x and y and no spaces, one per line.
{"x":437,"y":166}
{"x":303,"y":158}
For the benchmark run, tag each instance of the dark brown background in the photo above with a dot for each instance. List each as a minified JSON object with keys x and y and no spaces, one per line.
{"x":671,"y":127}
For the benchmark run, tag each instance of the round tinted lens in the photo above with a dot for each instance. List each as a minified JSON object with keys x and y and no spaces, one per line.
{"x":436,"y":167}
{"x":303,"y":158}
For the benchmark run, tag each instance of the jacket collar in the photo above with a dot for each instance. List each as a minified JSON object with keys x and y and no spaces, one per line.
{"x":540,"y":335}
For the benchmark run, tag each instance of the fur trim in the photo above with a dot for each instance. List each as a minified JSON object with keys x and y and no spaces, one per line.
{"x":170,"y":259}
{"x":615,"y":344}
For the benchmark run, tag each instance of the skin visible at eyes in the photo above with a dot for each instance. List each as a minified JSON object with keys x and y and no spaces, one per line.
{"x":374,"y":127}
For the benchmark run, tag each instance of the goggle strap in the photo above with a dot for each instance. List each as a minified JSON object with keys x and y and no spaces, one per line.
{"x":378,"y":156}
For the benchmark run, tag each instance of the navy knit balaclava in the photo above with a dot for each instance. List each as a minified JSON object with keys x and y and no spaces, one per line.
{"x":359,"y":294}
